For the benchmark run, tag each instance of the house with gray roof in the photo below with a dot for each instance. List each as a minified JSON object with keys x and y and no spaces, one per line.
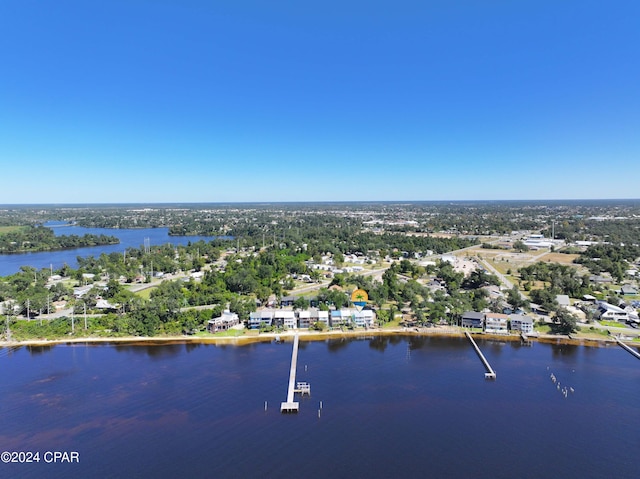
{"x":261,"y":318}
{"x":522,"y":323}
{"x":472,"y":319}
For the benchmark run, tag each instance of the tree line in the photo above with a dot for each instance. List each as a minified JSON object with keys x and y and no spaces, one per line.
{"x":29,"y":239}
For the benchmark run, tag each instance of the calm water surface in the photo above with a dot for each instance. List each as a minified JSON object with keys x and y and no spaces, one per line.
{"x":392,"y":407}
{"x":129,"y":238}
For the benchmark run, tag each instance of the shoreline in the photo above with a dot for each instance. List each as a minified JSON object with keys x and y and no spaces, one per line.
{"x":305,"y":335}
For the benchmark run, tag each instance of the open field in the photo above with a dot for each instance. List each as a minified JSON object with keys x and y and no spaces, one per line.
{"x":10,"y":229}
{"x":561,"y":258}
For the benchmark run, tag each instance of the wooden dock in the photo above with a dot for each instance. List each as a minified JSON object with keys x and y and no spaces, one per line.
{"x":490,"y":374}
{"x":627,"y":348}
{"x":290,"y":405}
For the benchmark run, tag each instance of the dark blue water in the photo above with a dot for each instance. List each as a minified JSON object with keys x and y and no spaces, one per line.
{"x":391,"y":408}
{"x":129,"y":238}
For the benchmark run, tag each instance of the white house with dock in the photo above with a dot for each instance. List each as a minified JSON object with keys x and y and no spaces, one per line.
{"x":522,"y":323}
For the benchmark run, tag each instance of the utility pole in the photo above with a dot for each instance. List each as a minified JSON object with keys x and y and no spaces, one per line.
{"x":85,"y":316}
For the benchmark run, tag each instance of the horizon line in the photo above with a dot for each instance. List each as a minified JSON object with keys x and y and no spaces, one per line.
{"x":265,"y":202}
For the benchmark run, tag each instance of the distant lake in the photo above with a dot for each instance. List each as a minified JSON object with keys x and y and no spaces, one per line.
{"x":392,"y":407}
{"x":129,"y":238}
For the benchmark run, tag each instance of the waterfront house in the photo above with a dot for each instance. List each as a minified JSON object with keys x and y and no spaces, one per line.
{"x":496,"y":323}
{"x":261,"y":318}
{"x":339,"y":318}
{"x":364,"y":318}
{"x":285,"y":318}
{"x":609,"y":312}
{"x":304,"y":319}
{"x":319,"y":316}
{"x":472,"y":319}
{"x":223,"y":322}
{"x":522,"y":323}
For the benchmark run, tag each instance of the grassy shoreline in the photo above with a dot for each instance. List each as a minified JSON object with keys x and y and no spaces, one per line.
{"x":310,"y":336}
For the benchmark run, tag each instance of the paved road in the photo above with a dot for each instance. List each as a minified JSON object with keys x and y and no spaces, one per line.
{"x":508,"y":284}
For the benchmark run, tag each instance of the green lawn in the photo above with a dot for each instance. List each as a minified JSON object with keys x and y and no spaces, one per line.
{"x":145,"y":293}
{"x":612,"y":324}
{"x":391,"y":324}
{"x":593,"y":332}
{"x":230,"y":333}
{"x":542,"y":328}
{"x":473,"y":330}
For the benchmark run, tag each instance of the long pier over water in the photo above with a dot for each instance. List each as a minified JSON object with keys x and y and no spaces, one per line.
{"x":290,"y":405}
{"x":635,"y":353}
{"x":490,"y":374}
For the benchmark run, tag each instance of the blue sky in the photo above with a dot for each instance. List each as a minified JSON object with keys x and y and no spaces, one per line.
{"x":198,"y":101}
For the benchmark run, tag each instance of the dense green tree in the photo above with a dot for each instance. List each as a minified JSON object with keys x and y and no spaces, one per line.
{"x":565,"y":321}
{"x":301,"y":303}
{"x":515,"y":299}
{"x":478,"y":278}
{"x":520,"y":246}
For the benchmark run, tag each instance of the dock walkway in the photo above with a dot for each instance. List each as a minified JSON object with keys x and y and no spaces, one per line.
{"x":290,"y":405}
{"x":490,"y":374}
{"x":624,"y":346}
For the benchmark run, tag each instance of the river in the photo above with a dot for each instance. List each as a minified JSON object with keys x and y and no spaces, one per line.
{"x":129,"y":238}
{"x":391,"y":407}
